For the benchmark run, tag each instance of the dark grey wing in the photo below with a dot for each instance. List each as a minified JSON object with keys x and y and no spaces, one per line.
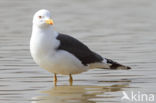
{"x":78,"y":49}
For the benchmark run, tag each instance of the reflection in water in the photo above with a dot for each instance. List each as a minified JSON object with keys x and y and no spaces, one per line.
{"x":78,"y":94}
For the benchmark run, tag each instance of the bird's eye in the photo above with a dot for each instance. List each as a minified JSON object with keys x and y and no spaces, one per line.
{"x":39,"y":17}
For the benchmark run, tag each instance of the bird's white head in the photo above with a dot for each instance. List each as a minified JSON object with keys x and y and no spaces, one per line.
{"x":42,"y":19}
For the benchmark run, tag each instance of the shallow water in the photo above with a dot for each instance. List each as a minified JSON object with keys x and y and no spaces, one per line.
{"x":123,"y":30}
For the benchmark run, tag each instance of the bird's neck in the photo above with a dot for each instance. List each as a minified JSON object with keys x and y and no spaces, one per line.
{"x":43,"y":30}
{"x":42,"y":41}
{"x":44,"y":34}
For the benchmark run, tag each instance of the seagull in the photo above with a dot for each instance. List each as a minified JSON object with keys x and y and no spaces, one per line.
{"x":59,"y":53}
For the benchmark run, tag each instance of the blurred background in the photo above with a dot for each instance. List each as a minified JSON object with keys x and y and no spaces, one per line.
{"x":123,"y":30}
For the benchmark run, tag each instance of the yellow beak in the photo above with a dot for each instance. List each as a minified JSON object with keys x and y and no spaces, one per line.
{"x":49,"y":21}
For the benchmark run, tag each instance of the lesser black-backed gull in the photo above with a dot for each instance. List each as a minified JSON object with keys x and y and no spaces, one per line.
{"x":60,"y":53}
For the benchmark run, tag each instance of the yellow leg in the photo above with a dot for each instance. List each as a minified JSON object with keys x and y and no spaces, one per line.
{"x":55,"y":79}
{"x":70,"y":79}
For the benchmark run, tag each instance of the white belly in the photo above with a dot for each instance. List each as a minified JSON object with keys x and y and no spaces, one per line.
{"x":61,"y":62}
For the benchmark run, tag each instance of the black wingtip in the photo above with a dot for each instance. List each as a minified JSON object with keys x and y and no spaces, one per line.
{"x":128,"y":67}
{"x":116,"y":65}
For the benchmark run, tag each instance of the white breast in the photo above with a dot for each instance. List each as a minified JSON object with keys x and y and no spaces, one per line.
{"x":43,"y":46}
